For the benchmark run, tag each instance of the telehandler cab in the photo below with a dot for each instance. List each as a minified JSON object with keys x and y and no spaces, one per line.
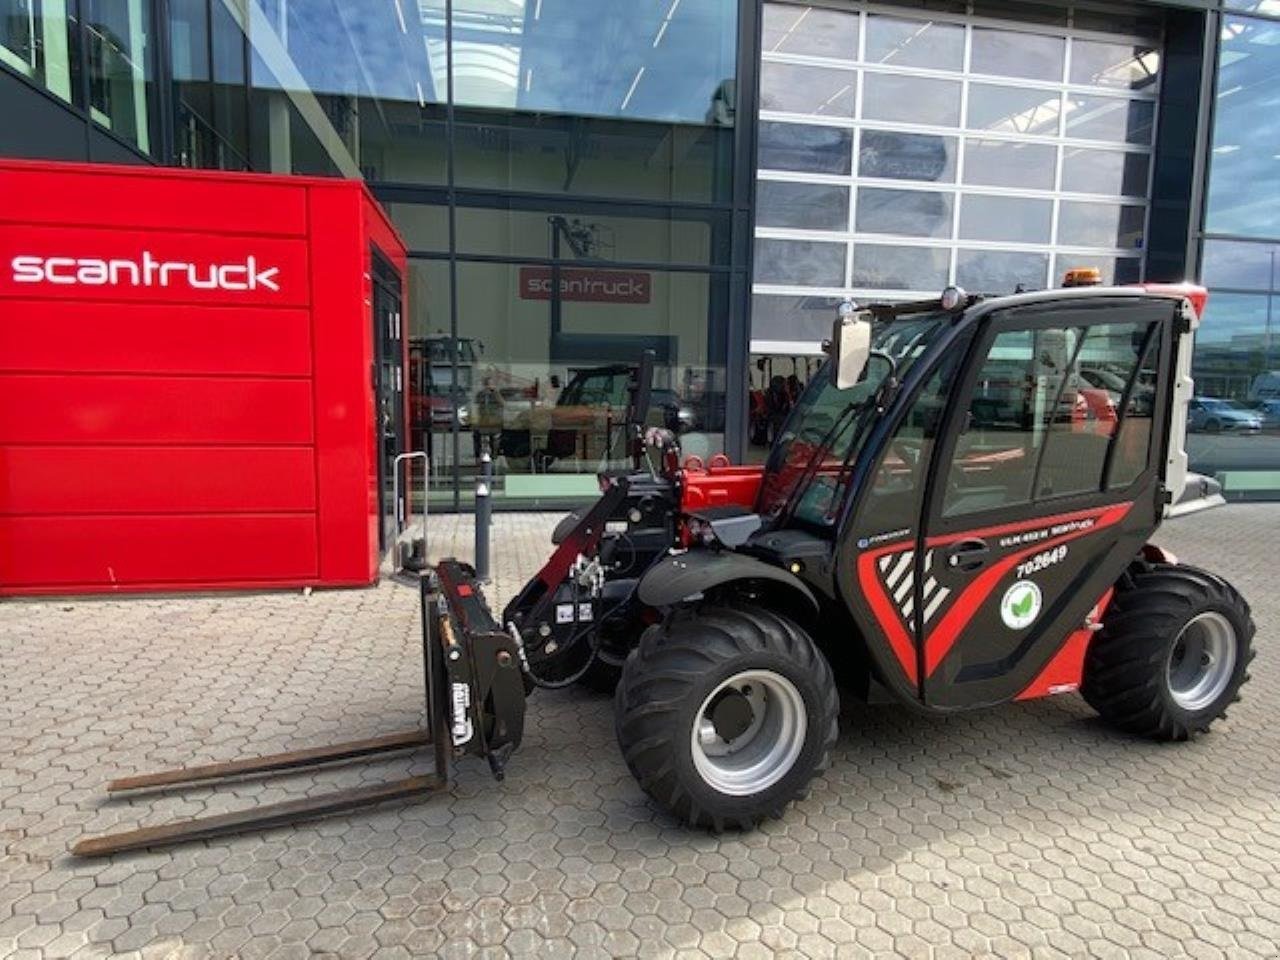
{"x":954,"y":516}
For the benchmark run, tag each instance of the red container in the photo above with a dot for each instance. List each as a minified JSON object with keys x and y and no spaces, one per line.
{"x":186,"y":399}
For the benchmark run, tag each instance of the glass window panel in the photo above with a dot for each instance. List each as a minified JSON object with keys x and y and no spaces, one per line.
{"x":1133,"y":443}
{"x":1248,"y":266}
{"x":814,"y":31}
{"x":1126,"y":66}
{"x":1012,"y":219}
{"x":914,"y":43}
{"x":822,"y":91}
{"x":884,"y":267}
{"x":907,"y":156}
{"x":1105,"y":171}
{"x":1001,"y":271}
{"x":424,"y":226}
{"x":1100,"y":225}
{"x":559,"y":154}
{"x":525,"y":228}
{"x":804,"y":206}
{"x":909,"y":213}
{"x":1131,"y":21}
{"x":1110,"y":118}
{"x":1011,"y":412}
{"x":1012,"y":53}
{"x":998,"y":163}
{"x":775,"y":317}
{"x":1244,"y":175}
{"x":1114,"y":270}
{"x":1269,"y":7}
{"x":812,"y":149}
{"x":1002,"y":109}
{"x":911,"y":99}
{"x":801,"y":263}
{"x":548,"y":397}
{"x":1022,"y":11}
{"x":34,"y":42}
{"x":647,"y":61}
{"x":119,"y":57}
{"x":1236,"y":366}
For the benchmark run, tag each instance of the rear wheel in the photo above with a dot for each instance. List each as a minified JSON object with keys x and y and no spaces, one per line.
{"x":724,"y":714}
{"x":1173,"y":653}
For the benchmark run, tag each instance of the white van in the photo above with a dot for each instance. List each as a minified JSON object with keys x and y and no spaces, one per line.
{"x":1266,"y":386}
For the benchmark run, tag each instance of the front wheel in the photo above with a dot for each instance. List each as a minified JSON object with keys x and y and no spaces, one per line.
{"x":724,"y":714}
{"x":1173,"y":653}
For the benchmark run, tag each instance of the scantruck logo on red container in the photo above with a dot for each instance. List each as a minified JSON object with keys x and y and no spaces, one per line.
{"x":145,"y":271}
{"x":153,"y":266}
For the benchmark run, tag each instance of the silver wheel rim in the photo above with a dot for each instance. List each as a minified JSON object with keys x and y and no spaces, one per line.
{"x":766,"y":750}
{"x":1202,"y":661}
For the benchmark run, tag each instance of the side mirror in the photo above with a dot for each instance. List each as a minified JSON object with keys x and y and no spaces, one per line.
{"x":850,"y":346}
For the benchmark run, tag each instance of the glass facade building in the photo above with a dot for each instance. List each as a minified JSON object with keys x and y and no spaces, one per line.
{"x":578,"y":183}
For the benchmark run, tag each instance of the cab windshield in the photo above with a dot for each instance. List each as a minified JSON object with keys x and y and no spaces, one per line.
{"x":809,"y":464}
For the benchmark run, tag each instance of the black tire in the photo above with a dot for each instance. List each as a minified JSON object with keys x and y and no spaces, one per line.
{"x":1127,"y":672}
{"x":666,"y":681}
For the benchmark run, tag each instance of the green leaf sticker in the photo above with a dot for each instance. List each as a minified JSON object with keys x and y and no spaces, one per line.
{"x":1020,"y":605}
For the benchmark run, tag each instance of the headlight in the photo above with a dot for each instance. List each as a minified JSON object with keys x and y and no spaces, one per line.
{"x":464,"y":415}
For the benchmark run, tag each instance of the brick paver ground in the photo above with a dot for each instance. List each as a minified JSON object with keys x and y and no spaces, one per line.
{"x":1026,"y":830}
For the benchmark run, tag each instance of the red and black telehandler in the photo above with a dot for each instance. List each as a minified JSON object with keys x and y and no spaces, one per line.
{"x":953,"y":516}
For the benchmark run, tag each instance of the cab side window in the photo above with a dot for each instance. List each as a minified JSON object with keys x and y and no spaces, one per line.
{"x":898,"y":484}
{"x":1045,"y":412}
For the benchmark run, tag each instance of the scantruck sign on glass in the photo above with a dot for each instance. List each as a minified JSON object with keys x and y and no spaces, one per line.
{"x":145,"y":271}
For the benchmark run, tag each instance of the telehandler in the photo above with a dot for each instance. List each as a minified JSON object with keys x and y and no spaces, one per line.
{"x":954,"y":516}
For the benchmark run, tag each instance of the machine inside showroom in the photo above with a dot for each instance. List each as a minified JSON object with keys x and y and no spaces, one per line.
{"x":954,"y":516}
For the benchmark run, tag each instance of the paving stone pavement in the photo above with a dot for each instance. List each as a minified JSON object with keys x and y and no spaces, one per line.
{"x":1028,"y":830}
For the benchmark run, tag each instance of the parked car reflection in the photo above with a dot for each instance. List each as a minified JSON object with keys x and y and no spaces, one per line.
{"x":1215,"y":415}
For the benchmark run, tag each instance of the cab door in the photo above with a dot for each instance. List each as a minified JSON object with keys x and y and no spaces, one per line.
{"x":1046,"y":486}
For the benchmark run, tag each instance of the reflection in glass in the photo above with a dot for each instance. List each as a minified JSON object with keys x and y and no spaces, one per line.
{"x":648,"y":61}
{"x":1011,"y":53}
{"x":891,"y":155}
{"x":801,"y":263}
{"x":1002,"y":109}
{"x":1125,"y":66}
{"x":812,"y":149}
{"x":33,"y":41}
{"x":914,"y":43}
{"x":804,"y":206}
{"x":908,"y":213}
{"x":911,"y":100}
{"x":521,"y":227}
{"x":885,"y":267}
{"x":1001,"y":271}
{"x":543,"y":381}
{"x":822,"y":91}
{"x":813,"y":31}
{"x":998,"y":163}
{"x":1100,"y":225}
{"x":777,"y":317}
{"x":1240,"y":265}
{"x":121,"y":87}
{"x":1109,"y":172}
{"x":1010,"y":219}
{"x":1244,"y":176}
{"x":594,"y":156}
{"x":1110,"y":118}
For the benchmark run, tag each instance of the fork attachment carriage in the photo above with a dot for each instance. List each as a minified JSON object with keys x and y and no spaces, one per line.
{"x":475,"y":698}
